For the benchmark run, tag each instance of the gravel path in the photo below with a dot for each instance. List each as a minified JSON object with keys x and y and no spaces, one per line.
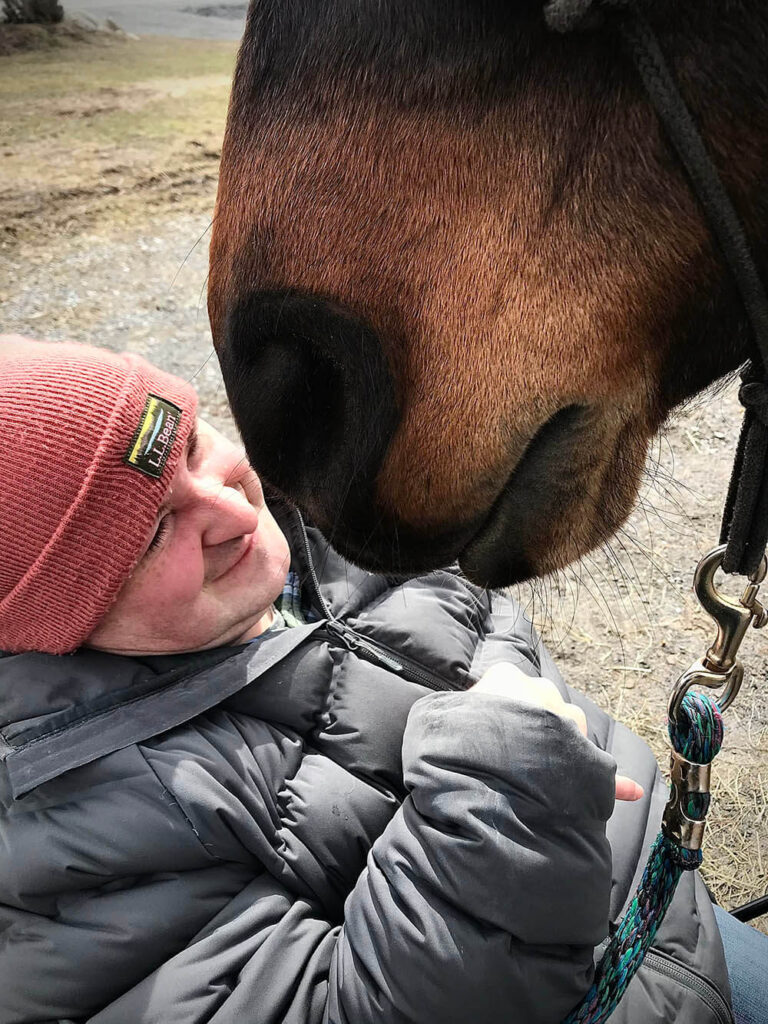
{"x":140,"y":291}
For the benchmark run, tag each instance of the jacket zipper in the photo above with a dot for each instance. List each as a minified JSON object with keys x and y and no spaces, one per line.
{"x":665,"y":965}
{"x":327,"y":613}
{"x":365,"y":647}
{"x":383,"y":655}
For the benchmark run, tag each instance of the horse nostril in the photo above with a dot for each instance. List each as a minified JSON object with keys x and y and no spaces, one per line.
{"x":313,"y":397}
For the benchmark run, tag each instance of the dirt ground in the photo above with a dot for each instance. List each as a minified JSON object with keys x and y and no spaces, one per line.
{"x":108,"y":164}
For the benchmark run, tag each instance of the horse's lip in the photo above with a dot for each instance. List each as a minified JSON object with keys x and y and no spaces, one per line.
{"x":500,"y":552}
{"x":490,"y":548}
{"x":398,"y":554}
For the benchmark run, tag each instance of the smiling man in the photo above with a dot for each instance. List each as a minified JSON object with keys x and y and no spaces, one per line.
{"x":213,"y":566}
{"x":243,"y":781}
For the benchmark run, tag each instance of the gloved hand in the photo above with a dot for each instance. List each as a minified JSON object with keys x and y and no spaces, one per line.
{"x":506,"y":680}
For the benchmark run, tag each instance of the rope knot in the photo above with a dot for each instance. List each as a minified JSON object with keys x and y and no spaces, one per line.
{"x":754,"y":397}
{"x":697,"y":733}
{"x":570,"y":15}
{"x":566,"y":15}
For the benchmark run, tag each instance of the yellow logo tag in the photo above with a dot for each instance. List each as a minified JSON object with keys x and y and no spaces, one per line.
{"x":152,"y":443}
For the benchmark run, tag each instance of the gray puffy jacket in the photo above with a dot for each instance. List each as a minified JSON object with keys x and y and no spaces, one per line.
{"x":321,"y":827}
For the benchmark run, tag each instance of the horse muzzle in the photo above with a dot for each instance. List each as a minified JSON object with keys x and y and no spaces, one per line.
{"x":315,"y":401}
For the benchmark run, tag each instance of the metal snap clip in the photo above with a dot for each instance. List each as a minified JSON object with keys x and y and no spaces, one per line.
{"x":720,"y":666}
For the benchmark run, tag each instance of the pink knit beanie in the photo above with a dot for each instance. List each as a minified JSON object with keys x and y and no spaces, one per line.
{"x":89,"y":442}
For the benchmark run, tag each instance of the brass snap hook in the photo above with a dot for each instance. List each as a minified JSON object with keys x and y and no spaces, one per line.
{"x":720,"y":666}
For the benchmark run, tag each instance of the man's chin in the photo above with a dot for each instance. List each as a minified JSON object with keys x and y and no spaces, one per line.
{"x":259,"y":627}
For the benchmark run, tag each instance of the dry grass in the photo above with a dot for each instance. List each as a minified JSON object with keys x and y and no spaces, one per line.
{"x":96,"y":137}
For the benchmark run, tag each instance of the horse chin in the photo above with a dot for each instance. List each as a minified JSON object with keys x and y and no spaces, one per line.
{"x":393,"y":549}
{"x":573,"y":488}
{"x":495,"y":558}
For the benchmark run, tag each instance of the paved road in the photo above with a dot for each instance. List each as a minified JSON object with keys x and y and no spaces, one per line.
{"x":185,"y":19}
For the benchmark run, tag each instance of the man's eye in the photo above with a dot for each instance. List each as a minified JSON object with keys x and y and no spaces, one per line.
{"x":160,"y":532}
{"x":192,"y":446}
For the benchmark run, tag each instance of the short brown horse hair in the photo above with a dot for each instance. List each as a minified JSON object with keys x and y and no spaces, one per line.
{"x":458,"y":279}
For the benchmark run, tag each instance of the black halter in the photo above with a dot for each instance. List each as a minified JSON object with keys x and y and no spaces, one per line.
{"x":745,"y":520}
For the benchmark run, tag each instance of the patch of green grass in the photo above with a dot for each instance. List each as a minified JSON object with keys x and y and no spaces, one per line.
{"x":141,"y":94}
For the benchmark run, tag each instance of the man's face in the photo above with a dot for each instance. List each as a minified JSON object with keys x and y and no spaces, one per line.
{"x":214,"y":566}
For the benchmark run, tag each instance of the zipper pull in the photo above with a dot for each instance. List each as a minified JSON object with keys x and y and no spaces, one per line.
{"x":380,"y":656}
{"x":353,"y":642}
{"x":345,"y":637}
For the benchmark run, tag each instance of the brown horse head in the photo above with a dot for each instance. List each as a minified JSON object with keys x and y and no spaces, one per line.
{"x":458,"y":279}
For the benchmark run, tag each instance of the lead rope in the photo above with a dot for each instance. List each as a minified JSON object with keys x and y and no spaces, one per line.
{"x":696,"y":733}
{"x":696,"y":737}
{"x":695,"y":720}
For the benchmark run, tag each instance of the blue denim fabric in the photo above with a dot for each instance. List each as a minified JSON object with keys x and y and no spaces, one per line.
{"x":746,"y":954}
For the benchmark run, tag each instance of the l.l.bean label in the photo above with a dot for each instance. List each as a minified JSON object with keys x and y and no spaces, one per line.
{"x":152,"y":443}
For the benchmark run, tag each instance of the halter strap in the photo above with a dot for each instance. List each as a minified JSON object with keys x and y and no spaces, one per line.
{"x":745,"y":520}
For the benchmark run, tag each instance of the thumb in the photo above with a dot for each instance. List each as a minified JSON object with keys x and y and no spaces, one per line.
{"x":628,"y":789}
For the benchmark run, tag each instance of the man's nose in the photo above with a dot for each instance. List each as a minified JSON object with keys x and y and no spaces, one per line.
{"x":227,"y":512}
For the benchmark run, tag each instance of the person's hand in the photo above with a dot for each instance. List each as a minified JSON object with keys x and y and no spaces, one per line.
{"x":506,"y":680}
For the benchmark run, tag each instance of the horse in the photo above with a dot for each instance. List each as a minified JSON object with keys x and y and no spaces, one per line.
{"x":458,"y":279}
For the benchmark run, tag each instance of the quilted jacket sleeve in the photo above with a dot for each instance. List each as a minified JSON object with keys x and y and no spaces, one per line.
{"x":483,"y":899}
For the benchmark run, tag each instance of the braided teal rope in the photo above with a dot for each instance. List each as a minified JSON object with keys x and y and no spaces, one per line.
{"x":697,"y":736}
